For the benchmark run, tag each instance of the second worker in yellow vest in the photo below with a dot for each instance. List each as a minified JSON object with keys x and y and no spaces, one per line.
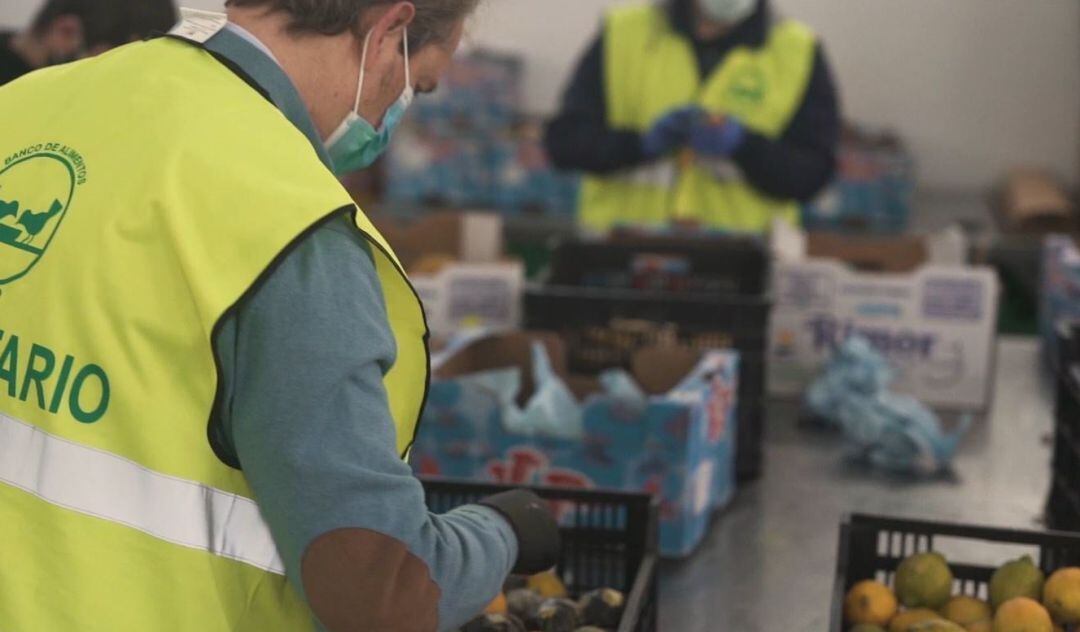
{"x":715,"y":113}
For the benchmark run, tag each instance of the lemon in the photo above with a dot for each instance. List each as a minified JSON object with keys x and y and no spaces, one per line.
{"x":1061,"y":595}
{"x":905,"y":620}
{"x":1019,"y":578}
{"x":870,"y":602}
{"x":966,"y":610}
{"x":924,"y":581}
{"x":497,"y":605}
{"x":547,"y":585}
{"x":940,"y":625}
{"x":1022,"y":614}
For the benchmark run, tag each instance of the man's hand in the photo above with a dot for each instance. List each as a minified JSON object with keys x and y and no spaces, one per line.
{"x":717,"y":137}
{"x":671,"y":131}
{"x":537,"y":533}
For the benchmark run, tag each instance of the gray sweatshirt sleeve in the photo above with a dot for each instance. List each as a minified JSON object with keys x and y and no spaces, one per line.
{"x":305,"y":413}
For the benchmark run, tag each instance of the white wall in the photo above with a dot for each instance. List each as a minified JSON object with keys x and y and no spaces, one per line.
{"x":974,"y":85}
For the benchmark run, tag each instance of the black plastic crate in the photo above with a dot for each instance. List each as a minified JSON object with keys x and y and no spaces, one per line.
{"x":1064,"y":349}
{"x":1063,"y":504}
{"x":735,"y":322}
{"x":713,"y":265}
{"x":871,"y":547}
{"x":609,"y":541}
{"x":1067,"y":352}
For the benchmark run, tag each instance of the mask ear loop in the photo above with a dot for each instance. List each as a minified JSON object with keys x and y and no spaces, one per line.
{"x":363,"y":67}
{"x":363,"y":71}
{"x":408,"y":76}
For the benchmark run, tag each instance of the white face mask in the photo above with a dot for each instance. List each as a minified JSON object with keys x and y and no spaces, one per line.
{"x":356,"y":144}
{"x":729,"y":11}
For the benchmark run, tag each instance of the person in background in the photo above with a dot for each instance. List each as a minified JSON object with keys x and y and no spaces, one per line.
{"x":220,"y":362}
{"x":64,"y":30}
{"x":714,"y":113}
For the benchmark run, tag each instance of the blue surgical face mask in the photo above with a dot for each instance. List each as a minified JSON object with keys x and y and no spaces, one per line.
{"x":356,"y":144}
{"x":729,"y":11}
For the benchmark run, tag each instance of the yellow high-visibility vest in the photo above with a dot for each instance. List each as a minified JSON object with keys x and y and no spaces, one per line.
{"x":650,"y":69}
{"x":143,"y":195}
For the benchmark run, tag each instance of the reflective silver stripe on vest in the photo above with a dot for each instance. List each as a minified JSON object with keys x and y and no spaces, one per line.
{"x":662,"y":174}
{"x":104,"y":485}
{"x":722,"y":170}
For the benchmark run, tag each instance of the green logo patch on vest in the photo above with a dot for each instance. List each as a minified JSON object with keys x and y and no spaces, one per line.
{"x":37,"y":184}
{"x":748,"y":86}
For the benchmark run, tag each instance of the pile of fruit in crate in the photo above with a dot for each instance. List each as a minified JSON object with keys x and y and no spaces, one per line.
{"x":1022,"y":599}
{"x":540,"y":604}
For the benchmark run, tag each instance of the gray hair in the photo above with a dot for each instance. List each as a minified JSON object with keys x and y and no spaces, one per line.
{"x":434,"y":22}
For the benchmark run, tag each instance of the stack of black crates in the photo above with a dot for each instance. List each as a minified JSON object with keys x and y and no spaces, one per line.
{"x":608,"y":299}
{"x":1063,"y":505}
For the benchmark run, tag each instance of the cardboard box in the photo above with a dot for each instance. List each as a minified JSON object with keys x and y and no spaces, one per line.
{"x":873,"y":189}
{"x":471,"y":295}
{"x":462,"y":236}
{"x":680,"y":445}
{"x":1033,"y":202}
{"x":505,"y":169}
{"x":933,"y":317}
{"x":481,"y":90}
{"x":455,"y":262}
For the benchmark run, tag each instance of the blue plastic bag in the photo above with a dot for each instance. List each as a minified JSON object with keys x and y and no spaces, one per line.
{"x":892,"y":432}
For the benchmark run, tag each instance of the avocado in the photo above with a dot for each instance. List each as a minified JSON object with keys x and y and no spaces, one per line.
{"x":556,"y":615}
{"x":602,"y":608}
{"x":494,"y":623}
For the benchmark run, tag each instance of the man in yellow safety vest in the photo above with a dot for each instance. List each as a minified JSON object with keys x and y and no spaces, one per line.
{"x":211,"y":363}
{"x":708,"y":112}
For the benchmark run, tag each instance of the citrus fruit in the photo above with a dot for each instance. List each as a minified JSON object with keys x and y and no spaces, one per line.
{"x":939,"y":625}
{"x":1022,"y":614}
{"x":1019,"y":578}
{"x":497,"y":605}
{"x":1061,"y":595}
{"x":966,"y":610}
{"x":924,"y":581}
{"x":547,"y":585}
{"x":870,"y":602}
{"x":905,"y":620}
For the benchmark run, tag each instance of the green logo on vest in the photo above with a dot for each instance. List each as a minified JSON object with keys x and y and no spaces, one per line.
{"x":37,"y":184}
{"x":748,"y":86}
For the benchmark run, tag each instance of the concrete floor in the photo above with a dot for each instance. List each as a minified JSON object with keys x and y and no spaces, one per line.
{"x":768,"y":563}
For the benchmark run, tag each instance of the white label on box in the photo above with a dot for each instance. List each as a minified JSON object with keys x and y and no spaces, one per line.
{"x":702,"y":486}
{"x":469,"y":296}
{"x":936,"y":326}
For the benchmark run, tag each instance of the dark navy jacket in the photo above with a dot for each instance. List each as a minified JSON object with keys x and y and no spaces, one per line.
{"x":797,"y":166}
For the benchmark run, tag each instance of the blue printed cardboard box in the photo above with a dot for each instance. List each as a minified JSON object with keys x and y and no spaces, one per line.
{"x":873,"y":190}
{"x":1060,"y":296}
{"x":508,"y":171}
{"x":932,"y":316}
{"x":678,"y":444}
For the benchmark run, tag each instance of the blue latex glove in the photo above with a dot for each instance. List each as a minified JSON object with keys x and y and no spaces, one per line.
{"x":717,"y":140}
{"x":671,"y":131}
